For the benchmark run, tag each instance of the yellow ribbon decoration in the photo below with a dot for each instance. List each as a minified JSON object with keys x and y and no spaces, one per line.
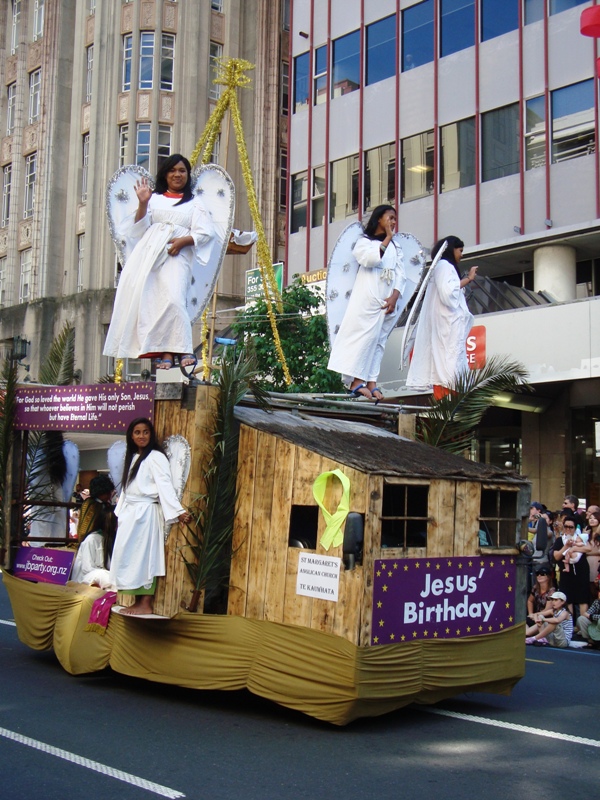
{"x":231,"y":75}
{"x":333,"y":534}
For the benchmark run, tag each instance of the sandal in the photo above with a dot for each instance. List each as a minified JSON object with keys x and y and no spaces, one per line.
{"x":188,"y":369}
{"x":377,"y":399}
{"x":356,"y":392}
{"x":165,"y":363}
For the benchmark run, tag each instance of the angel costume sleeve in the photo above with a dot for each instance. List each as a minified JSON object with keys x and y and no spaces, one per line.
{"x":143,"y":507}
{"x":444,"y":324}
{"x":358,"y":347}
{"x":150,"y":314}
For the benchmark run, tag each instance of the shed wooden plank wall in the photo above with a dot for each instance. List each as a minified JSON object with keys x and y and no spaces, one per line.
{"x":273,"y":475}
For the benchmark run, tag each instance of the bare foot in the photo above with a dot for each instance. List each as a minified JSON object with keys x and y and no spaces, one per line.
{"x":376,"y":393}
{"x":188,"y":360}
{"x":142,"y":605}
{"x":166,"y":361}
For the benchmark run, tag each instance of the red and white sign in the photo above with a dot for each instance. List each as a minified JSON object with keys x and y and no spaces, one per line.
{"x":476,"y":347}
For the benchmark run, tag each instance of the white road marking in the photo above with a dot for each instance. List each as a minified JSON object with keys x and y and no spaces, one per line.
{"x":565,"y":737}
{"x":8,"y":622}
{"x":142,"y":783}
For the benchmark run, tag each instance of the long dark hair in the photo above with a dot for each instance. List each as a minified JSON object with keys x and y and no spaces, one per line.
{"x":52,"y":447}
{"x":453,"y":242}
{"x":161,"y":177}
{"x":377,"y":214}
{"x":106,"y":522}
{"x":131,"y":451}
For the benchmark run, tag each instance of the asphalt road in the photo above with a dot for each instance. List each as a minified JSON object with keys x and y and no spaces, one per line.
{"x":107,"y":737}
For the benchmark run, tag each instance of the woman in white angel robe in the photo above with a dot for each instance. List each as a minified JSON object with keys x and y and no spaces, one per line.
{"x":372,"y":310}
{"x":150,"y":315}
{"x":439,"y":354}
{"x":146,"y":503}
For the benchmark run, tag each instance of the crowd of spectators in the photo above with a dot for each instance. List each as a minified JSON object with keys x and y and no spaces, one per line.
{"x":564,"y":604}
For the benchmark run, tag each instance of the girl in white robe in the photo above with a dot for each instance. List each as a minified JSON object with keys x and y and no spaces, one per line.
{"x":170,"y":229}
{"x":92,"y":562}
{"x":372,"y":309}
{"x":439,"y":354}
{"x":148,"y":500}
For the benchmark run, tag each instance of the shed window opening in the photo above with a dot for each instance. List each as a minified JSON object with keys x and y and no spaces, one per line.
{"x":404,"y":516}
{"x":499,"y":518}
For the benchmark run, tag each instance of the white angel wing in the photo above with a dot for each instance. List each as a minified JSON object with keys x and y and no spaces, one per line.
{"x":116,"y":459}
{"x":179,"y":453}
{"x":410,"y":329}
{"x":71,"y":454}
{"x":214,"y":188}
{"x":341,"y":274}
{"x":414,"y":265}
{"x":122,"y":203}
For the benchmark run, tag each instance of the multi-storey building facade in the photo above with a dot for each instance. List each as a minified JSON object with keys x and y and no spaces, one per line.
{"x":89,"y":86}
{"x":477,"y":118}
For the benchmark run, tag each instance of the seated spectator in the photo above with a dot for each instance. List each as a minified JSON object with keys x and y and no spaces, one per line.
{"x":553,"y":626}
{"x":92,"y":562}
{"x":540,"y":593}
{"x":101,"y":489}
{"x":588,"y":624}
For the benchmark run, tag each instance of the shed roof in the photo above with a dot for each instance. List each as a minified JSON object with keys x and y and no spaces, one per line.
{"x":370,"y":449}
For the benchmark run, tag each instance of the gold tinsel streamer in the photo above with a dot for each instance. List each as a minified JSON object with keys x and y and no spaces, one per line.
{"x":119,"y":370}
{"x":231,"y":75}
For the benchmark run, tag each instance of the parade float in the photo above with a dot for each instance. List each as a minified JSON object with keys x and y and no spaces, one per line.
{"x":353,"y":570}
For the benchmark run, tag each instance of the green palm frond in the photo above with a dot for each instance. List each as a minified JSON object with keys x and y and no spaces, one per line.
{"x":57,"y":368}
{"x":451,"y":420}
{"x":208,"y":550}
{"x":7,"y":414}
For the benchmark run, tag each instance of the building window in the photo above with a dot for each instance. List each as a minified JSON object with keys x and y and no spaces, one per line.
{"x":320,"y":79}
{"x":556,"y":6}
{"x":123,"y":142}
{"x":404,"y":515}
{"x":283,"y":168}
{"x":417,"y":166}
{"x":6,"y":187}
{"x":10,"y":109}
{"x":534,"y":10}
{"x":500,"y":142}
{"x":499,"y":517}
{"x":217,"y":5}
{"x":127,"y":58}
{"x":142,"y":145}
{"x":285,"y":15}
{"x":417,"y":35}
{"x":30,"y":178}
{"x":381,"y":50}
{"x":164,"y":144}
{"x":80,"y":255}
{"x":89,"y":73}
{"x":346,"y":64}
{"x":380,"y":176}
{"x":299,"y":195}
{"x":457,"y":163}
{"x":3,"y":280}
{"x":167,"y":56}
{"x":457,"y":25}
{"x":38,"y":19}
{"x":14,"y":29}
{"x":25,"y":276}
{"x":35,"y":82}
{"x":215,"y":154}
{"x":573,"y":131}
{"x":318,"y":197}
{"x":91,"y":7}
{"x":301,"y":77}
{"x":146,"y":60}
{"x":84,"y":167}
{"x":216,"y":53}
{"x":343,"y":194}
{"x":498,"y":18}
{"x":535,"y":132}
{"x":285,"y":89}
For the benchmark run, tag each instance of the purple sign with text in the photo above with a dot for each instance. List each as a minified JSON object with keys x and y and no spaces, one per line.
{"x":442,"y":598}
{"x":102,"y":407}
{"x":44,"y":565}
